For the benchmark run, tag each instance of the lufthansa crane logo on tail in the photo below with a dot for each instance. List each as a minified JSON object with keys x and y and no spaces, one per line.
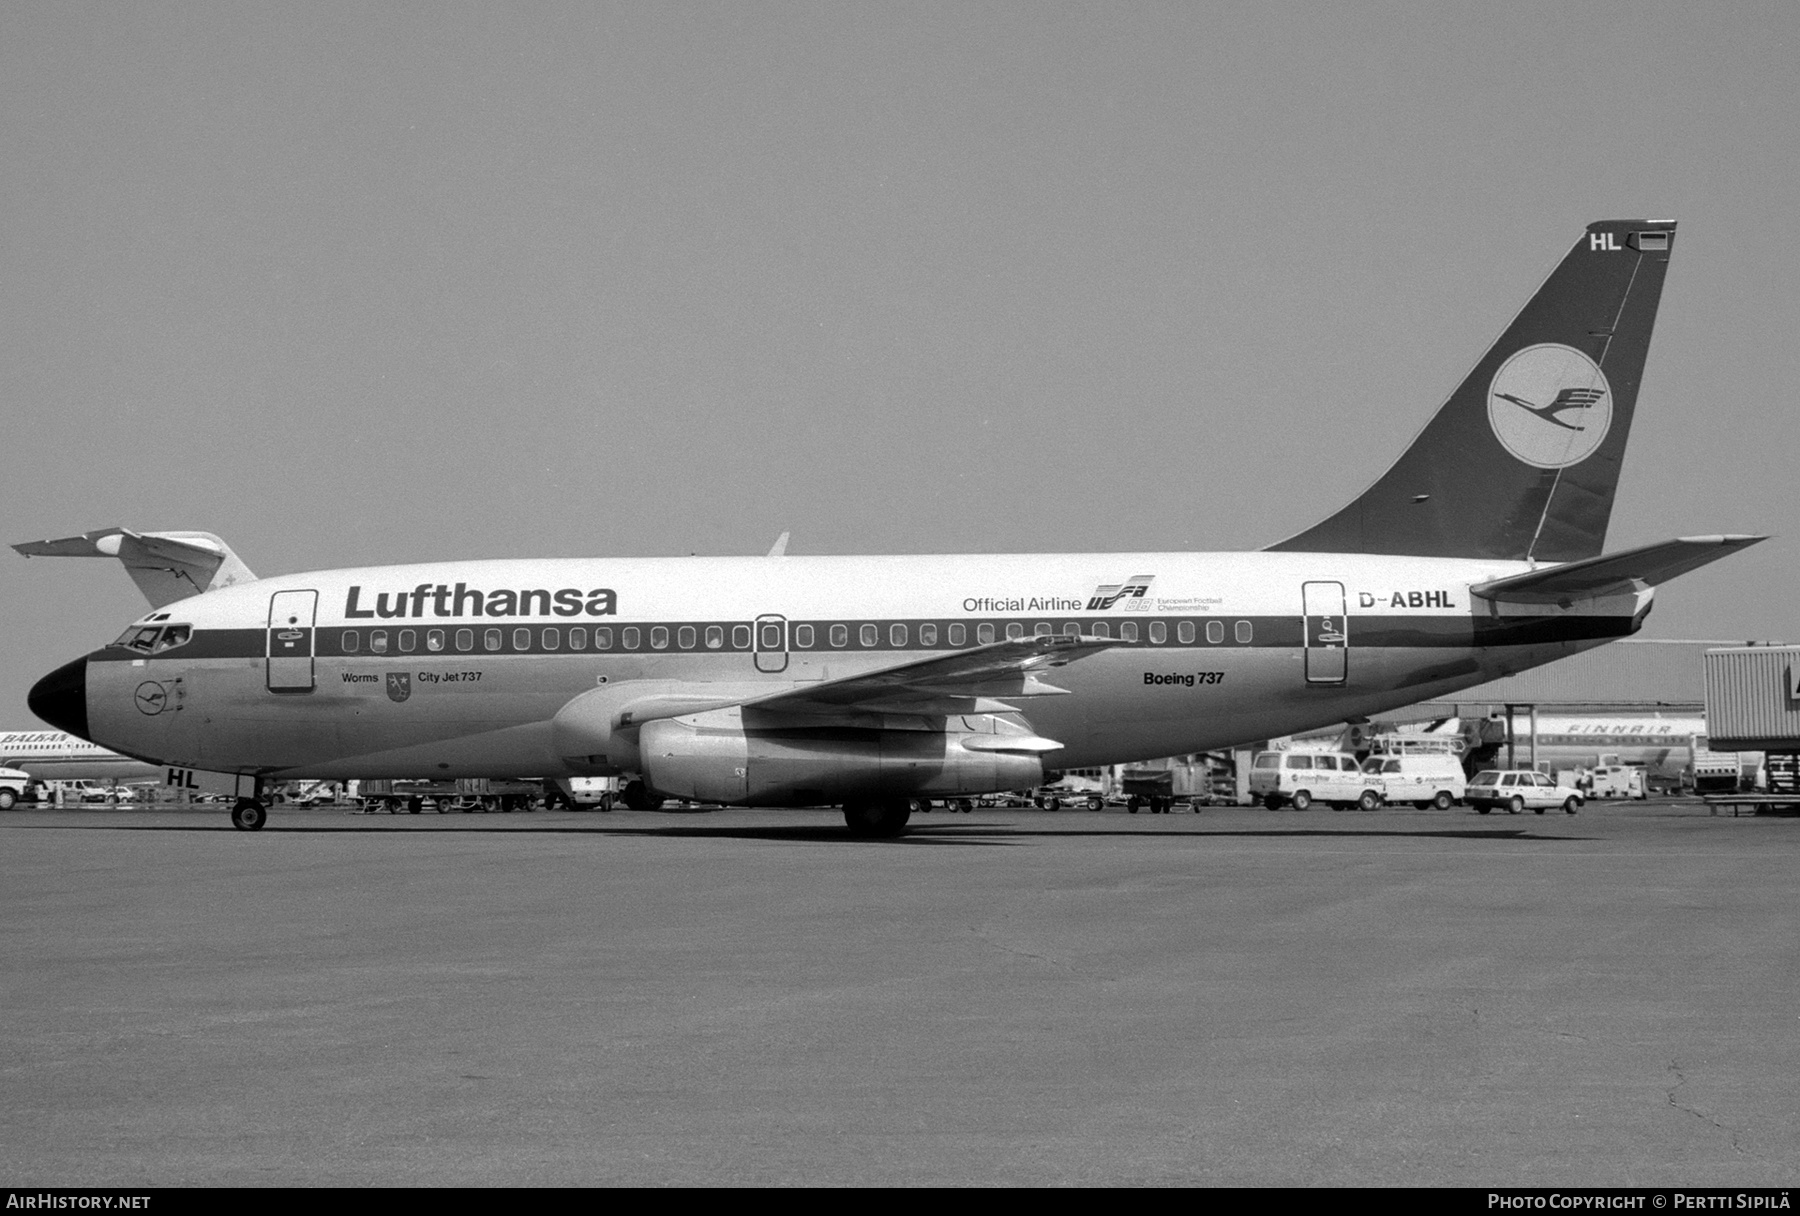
{"x":1550,"y":406}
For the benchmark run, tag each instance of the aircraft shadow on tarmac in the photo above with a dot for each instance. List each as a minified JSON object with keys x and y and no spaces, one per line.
{"x":828,"y":833}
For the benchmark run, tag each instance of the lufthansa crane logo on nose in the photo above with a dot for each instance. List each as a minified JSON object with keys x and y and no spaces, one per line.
{"x":151,"y":698}
{"x":1550,"y":406}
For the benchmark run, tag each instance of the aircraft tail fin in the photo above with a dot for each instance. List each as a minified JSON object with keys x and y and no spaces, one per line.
{"x":1521,"y":462}
{"x":166,"y":566}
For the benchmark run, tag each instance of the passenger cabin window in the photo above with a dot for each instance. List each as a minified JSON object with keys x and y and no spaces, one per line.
{"x":1101,"y":629}
{"x":659,"y":637}
{"x":602,"y":638}
{"x":491,"y":639}
{"x":1072,"y":630}
{"x":984,"y":633}
{"x":628,"y":637}
{"x":351,"y":642}
{"x":840,"y":636}
{"x":1185,"y":633}
{"x":1215,"y":632}
{"x":465,"y":639}
{"x":1159,"y":633}
{"x":771,"y":636}
{"x":1015,"y":631}
{"x":928,"y":635}
{"x":1128,"y":631}
{"x":715,"y":637}
{"x":740,"y":637}
{"x":378,"y":641}
{"x":869,"y":635}
{"x":897,"y":635}
{"x":551,"y":638}
{"x":577,"y":637}
{"x":434,"y":640}
{"x":803,"y":636}
{"x":409,"y":641}
{"x":1044,"y":629}
{"x":957,"y":635}
{"x":1243,"y":632}
{"x":521,"y":639}
{"x":686,"y":637}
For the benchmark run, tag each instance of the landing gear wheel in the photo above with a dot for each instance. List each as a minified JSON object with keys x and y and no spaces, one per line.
{"x":1370,"y":801}
{"x":1571,"y":805}
{"x":966,"y":807}
{"x":1515,"y":806}
{"x":639,"y":798}
{"x":877,"y":818}
{"x":1443,"y":800}
{"x":248,"y":815}
{"x":918,"y":806}
{"x":1302,"y":800}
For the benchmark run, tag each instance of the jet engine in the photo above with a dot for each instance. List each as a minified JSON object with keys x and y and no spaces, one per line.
{"x":762,"y":760}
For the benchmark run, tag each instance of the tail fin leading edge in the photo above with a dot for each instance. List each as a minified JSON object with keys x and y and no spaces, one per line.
{"x":1523,"y":459}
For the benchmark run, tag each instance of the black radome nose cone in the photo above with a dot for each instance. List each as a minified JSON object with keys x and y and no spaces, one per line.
{"x":60,"y":698}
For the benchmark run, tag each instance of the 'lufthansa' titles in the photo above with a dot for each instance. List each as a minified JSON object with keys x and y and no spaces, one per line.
{"x":463,"y":600}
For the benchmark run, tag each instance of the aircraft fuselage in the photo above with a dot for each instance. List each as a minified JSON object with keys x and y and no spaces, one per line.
{"x":461,"y":669}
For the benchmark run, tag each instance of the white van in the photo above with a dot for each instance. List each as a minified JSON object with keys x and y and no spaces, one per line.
{"x":1424,"y":779}
{"x":1300,"y":778}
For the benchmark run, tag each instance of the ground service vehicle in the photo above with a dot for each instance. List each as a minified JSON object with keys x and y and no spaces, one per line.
{"x":1299,"y":778}
{"x":1515,"y":790}
{"x":1423,"y":778}
{"x":869,"y":682}
{"x":13,"y":783}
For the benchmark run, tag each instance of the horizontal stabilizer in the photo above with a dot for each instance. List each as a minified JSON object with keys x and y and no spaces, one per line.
{"x":1626,"y":570}
{"x":166,"y":566}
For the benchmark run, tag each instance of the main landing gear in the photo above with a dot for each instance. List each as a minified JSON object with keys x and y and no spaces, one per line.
{"x":878,"y":818}
{"x":248,"y":815}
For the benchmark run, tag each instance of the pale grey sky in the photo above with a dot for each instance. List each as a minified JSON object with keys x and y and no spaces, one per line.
{"x":356,"y":284}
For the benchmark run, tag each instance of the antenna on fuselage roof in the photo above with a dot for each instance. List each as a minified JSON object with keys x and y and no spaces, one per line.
{"x":779,"y":548}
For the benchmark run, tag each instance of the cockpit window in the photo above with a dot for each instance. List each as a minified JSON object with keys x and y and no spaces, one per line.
{"x":140,"y":638}
{"x":173,"y":636}
{"x":154,"y":639}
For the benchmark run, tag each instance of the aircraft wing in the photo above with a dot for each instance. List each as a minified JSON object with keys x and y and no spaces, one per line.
{"x":1625,"y":570}
{"x":966,"y":681}
{"x":166,"y":566}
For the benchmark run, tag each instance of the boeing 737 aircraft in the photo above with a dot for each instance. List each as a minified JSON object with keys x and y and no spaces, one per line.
{"x":868,"y":682}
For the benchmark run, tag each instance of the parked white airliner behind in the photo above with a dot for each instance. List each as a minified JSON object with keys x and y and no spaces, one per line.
{"x":873,"y":681}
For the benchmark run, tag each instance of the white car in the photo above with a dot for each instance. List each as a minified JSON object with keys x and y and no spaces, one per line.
{"x":1516,"y":789}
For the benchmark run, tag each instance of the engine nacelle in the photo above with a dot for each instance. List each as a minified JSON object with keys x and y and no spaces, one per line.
{"x":715,"y":757}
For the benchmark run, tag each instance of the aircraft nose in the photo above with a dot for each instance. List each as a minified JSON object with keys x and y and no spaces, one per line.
{"x":60,"y":698}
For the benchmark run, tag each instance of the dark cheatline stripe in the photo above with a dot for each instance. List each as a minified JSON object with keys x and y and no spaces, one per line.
{"x":891,"y":634}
